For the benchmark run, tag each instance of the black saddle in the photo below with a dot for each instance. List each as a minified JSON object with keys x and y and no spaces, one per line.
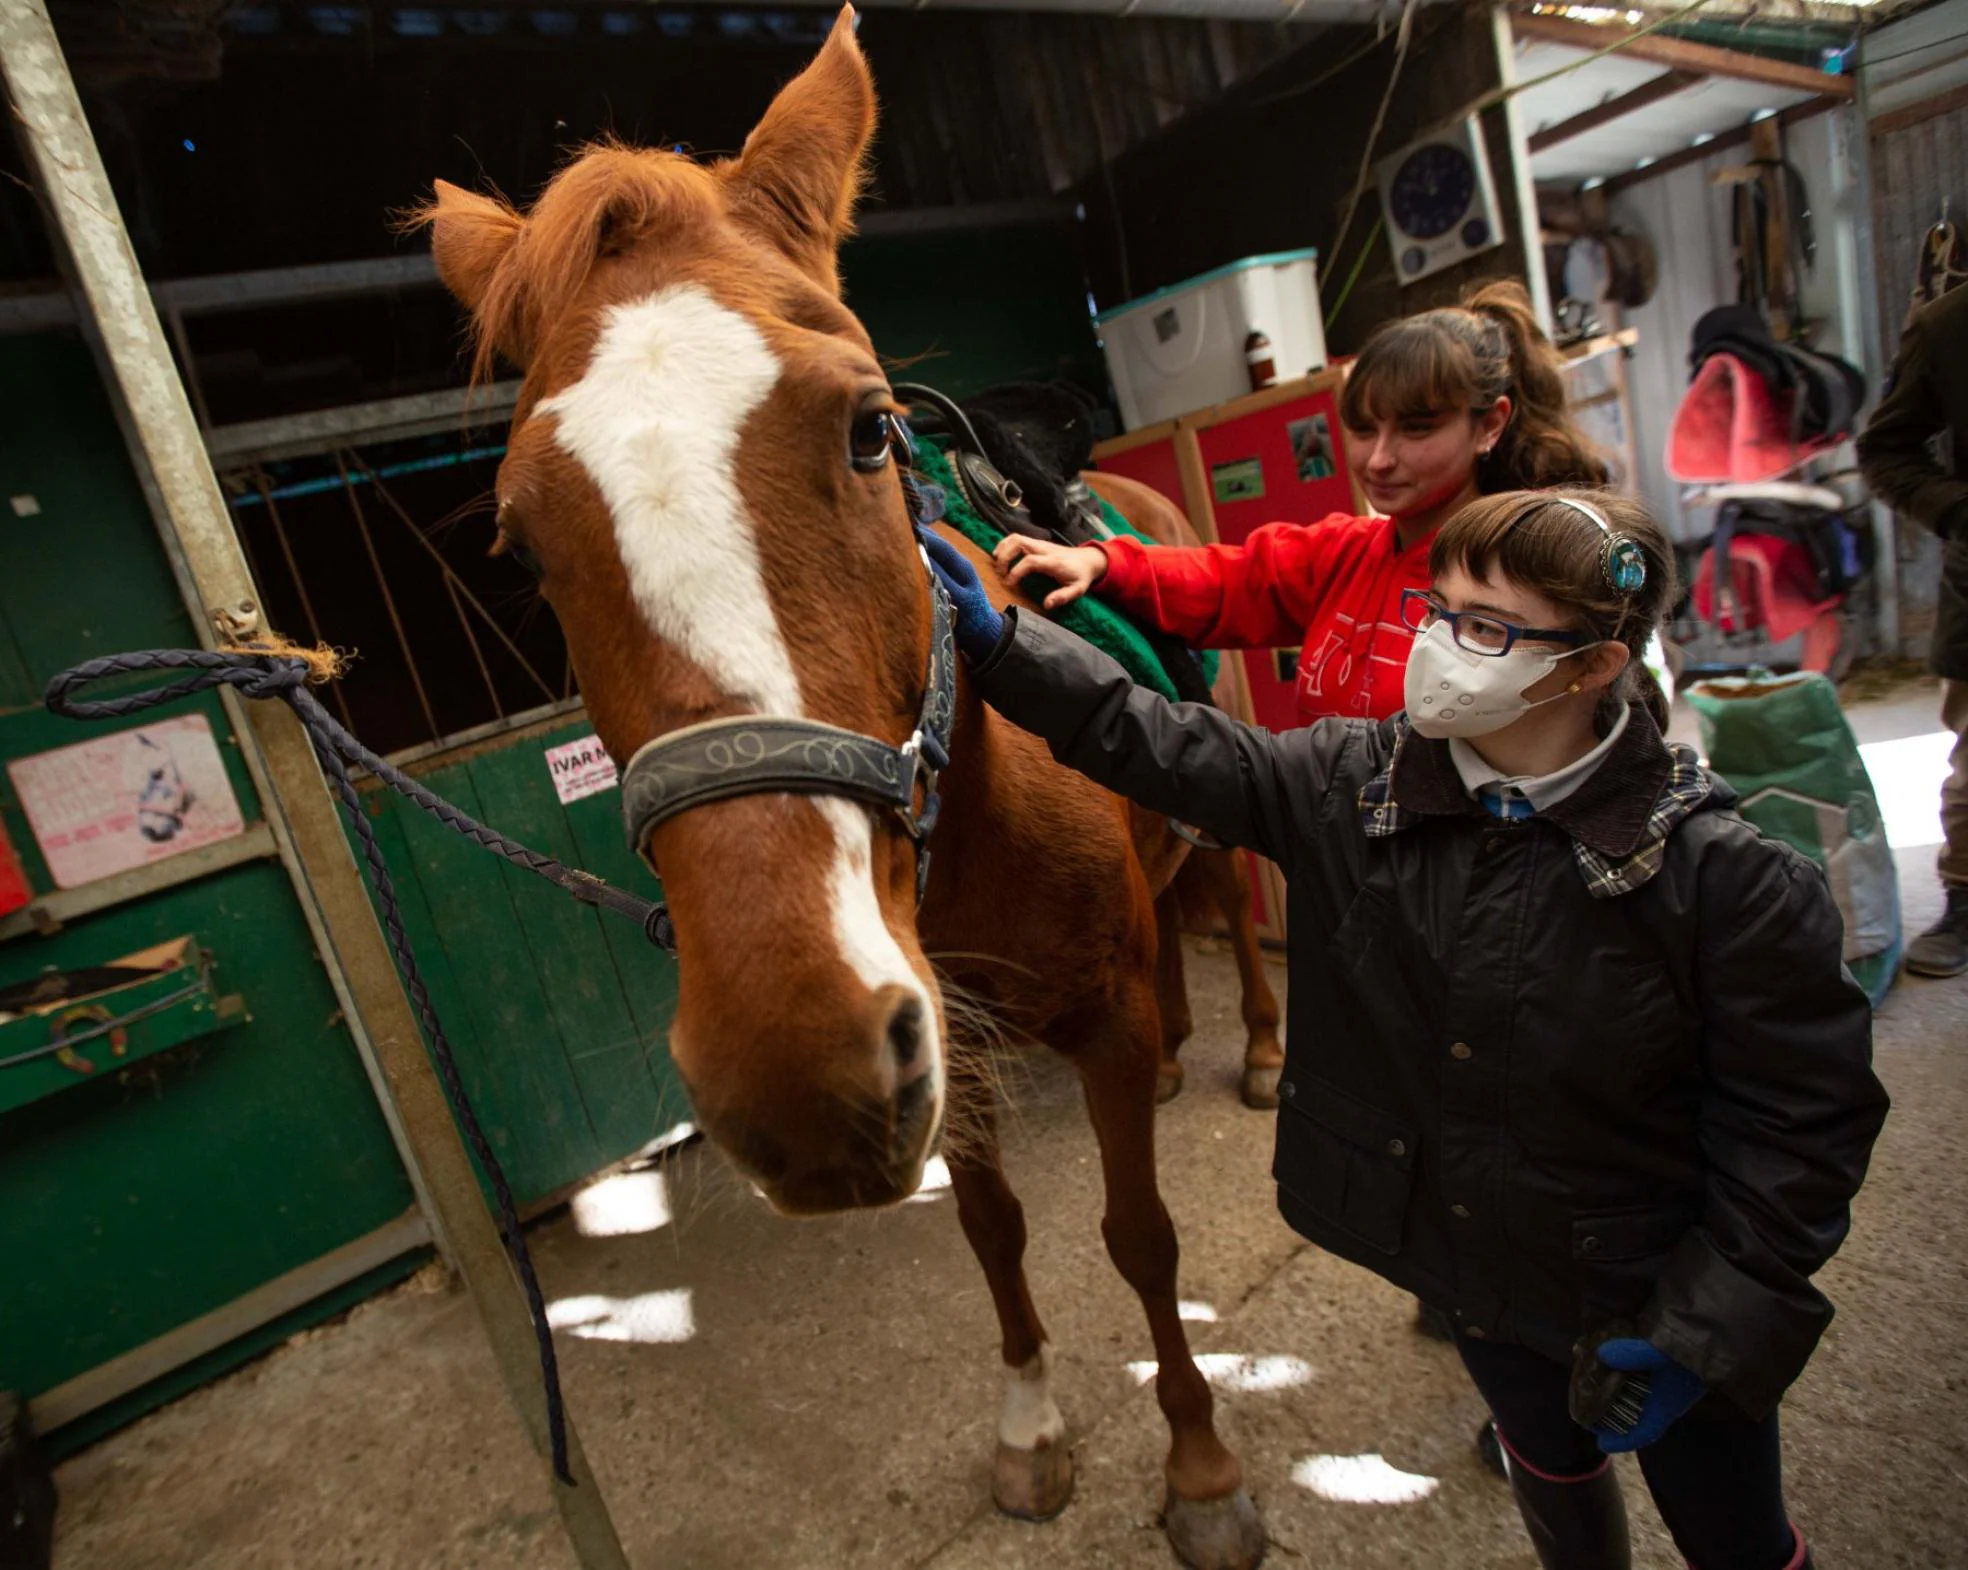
{"x":1017,"y":451}
{"x":1829,"y":392}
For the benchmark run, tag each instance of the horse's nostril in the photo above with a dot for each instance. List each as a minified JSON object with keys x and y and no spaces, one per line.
{"x":905,"y":1031}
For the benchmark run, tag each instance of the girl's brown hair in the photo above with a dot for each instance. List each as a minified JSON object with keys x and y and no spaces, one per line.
{"x":1535,"y":540}
{"x":1466,"y":357}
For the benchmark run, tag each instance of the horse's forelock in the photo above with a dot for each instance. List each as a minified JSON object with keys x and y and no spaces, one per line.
{"x":609,"y":195}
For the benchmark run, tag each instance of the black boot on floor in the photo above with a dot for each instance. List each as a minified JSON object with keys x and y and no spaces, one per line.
{"x":1942,"y":950}
{"x":1577,"y":1525}
{"x":27,"y":1492}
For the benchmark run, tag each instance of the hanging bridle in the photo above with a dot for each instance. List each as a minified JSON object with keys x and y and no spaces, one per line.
{"x":756,"y":754}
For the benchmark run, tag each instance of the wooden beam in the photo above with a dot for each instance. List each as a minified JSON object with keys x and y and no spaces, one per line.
{"x":1652,"y":91}
{"x":1899,"y":119}
{"x":1721,"y":143}
{"x":1681,"y":55}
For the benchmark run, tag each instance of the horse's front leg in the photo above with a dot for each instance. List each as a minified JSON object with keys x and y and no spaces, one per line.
{"x":1211,"y":1522}
{"x":1032,"y":1477}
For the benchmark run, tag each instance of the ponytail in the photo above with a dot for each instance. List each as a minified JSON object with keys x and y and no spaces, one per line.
{"x":1540,"y":447}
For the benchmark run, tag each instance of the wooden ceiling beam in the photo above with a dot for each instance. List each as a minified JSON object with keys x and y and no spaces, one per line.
{"x":1652,"y":91}
{"x":1680,"y":54}
{"x":1721,"y":143}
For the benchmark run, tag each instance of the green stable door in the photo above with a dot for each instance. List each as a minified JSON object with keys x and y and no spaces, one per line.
{"x":211,"y":1170}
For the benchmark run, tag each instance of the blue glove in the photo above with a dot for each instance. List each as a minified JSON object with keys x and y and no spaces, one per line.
{"x":1667,"y":1393}
{"x":979,"y":623}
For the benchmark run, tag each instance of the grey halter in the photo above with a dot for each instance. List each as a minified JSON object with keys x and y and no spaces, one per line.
{"x":756,"y":754}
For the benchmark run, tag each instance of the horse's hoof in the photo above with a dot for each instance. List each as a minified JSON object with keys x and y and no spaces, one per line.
{"x":1168,"y":1081}
{"x":1216,"y":1534}
{"x":1035,"y":1484}
{"x":1260,"y":1088}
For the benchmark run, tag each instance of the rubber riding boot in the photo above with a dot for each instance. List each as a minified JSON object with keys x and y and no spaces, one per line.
{"x":1575,"y":1523}
{"x":1942,"y":950}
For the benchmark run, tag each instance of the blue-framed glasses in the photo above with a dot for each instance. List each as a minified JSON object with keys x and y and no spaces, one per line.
{"x":1478,"y":633}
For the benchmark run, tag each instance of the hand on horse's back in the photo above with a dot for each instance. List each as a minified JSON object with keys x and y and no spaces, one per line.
{"x":1075,"y":568}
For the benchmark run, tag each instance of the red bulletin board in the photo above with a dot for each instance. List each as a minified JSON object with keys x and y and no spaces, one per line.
{"x":1284,"y":463}
{"x":1153,"y":463}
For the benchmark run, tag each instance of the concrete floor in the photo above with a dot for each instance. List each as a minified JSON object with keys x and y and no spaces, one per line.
{"x":766,"y":1394}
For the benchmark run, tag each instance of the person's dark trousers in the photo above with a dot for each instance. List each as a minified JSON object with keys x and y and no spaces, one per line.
{"x":1716,"y":1477}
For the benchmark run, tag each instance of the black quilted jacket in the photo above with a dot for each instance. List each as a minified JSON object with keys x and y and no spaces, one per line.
{"x":1544,"y":1073}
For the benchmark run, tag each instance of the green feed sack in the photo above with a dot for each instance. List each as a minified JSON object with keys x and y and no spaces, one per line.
{"x":1100,"y":624}
{"x":1783,"y":743}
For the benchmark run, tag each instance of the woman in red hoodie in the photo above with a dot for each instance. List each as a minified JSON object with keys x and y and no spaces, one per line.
{"x":1440,"y":408}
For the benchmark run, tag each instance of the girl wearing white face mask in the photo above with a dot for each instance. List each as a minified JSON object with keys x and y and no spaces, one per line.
{"x":1580,"y":1064}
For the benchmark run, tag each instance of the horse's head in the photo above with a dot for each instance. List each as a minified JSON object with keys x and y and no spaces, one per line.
{"x":700,"y":463}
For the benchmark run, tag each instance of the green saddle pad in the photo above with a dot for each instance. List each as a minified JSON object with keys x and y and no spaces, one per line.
{"x":1097,"y":622}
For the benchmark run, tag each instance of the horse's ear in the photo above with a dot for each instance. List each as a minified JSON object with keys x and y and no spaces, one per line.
{"x":801,"y":171}
{"x":470,"y":236}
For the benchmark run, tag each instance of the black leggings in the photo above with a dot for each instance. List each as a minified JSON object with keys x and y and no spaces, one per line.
{"x":1716,"y":1478}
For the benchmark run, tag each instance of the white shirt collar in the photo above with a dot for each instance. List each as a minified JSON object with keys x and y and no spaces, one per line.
{"x":1543,"y":791}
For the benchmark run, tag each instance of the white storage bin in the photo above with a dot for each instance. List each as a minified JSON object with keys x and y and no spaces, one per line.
{"x":1182,"y":347}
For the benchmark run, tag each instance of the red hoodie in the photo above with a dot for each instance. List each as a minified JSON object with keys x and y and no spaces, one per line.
{"x":1333,"y":586}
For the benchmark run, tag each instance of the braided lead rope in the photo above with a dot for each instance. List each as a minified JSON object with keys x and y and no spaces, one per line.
{"x":272,"y":676}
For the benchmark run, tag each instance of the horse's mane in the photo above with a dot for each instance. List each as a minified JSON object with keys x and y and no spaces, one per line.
{"x":609,"y":195}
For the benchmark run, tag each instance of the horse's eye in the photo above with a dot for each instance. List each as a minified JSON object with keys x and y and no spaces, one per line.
{"x":871,"y":440}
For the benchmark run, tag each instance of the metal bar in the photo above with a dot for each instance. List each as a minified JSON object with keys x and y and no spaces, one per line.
{"x":1682,"y":55}
{"x":300,"y":588}
{"x":197,"y":533}
{"x":65,"y":905}
{"x":1666,"y":85}
{"x":389,"y":600}
{"x":111,"y":1381}
{"x":471,"y":638}
{"x":324,"y":430}
{"x":51,"y":306}
{"x":459,"y":585}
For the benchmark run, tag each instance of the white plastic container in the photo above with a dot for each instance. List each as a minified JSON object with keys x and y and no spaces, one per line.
{"x":1182,"y":348}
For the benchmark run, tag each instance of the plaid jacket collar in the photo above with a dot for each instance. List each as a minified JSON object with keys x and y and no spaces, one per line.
{"x":1618,"y":820}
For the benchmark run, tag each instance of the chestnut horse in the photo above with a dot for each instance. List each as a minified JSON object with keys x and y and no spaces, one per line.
{"x":1220,"y":876}
{"x":701,"y":463}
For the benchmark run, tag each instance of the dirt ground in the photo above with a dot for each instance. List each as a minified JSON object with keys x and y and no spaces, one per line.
{"x":760,"y":1394}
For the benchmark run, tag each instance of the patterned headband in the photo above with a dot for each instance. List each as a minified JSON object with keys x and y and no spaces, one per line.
{"x":1621,"y":559}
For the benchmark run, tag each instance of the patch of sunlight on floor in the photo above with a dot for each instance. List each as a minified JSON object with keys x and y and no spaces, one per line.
{"x":1236,"y":1371}
{"x":1906,"y":776}
{"x":936,"y":1180}
{"x":653,"y":1318}
{"x":1196,"y":1313}
{"x":1362,"y":1480}
{"x":623,"y":1205}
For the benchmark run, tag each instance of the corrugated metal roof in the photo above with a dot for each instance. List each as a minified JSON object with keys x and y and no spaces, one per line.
{"x":1711,"y":106}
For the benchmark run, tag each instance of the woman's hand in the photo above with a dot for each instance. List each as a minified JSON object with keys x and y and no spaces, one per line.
{"x":1075,"y":568}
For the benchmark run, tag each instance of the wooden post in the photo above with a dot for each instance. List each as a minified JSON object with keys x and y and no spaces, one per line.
{"x":212,"y":575}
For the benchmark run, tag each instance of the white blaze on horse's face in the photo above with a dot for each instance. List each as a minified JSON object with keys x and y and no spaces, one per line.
{"x":655,"y":422}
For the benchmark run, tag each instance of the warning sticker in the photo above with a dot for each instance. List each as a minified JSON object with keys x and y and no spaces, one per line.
{"x":580,"y":768}
{"x":119,"y":802}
